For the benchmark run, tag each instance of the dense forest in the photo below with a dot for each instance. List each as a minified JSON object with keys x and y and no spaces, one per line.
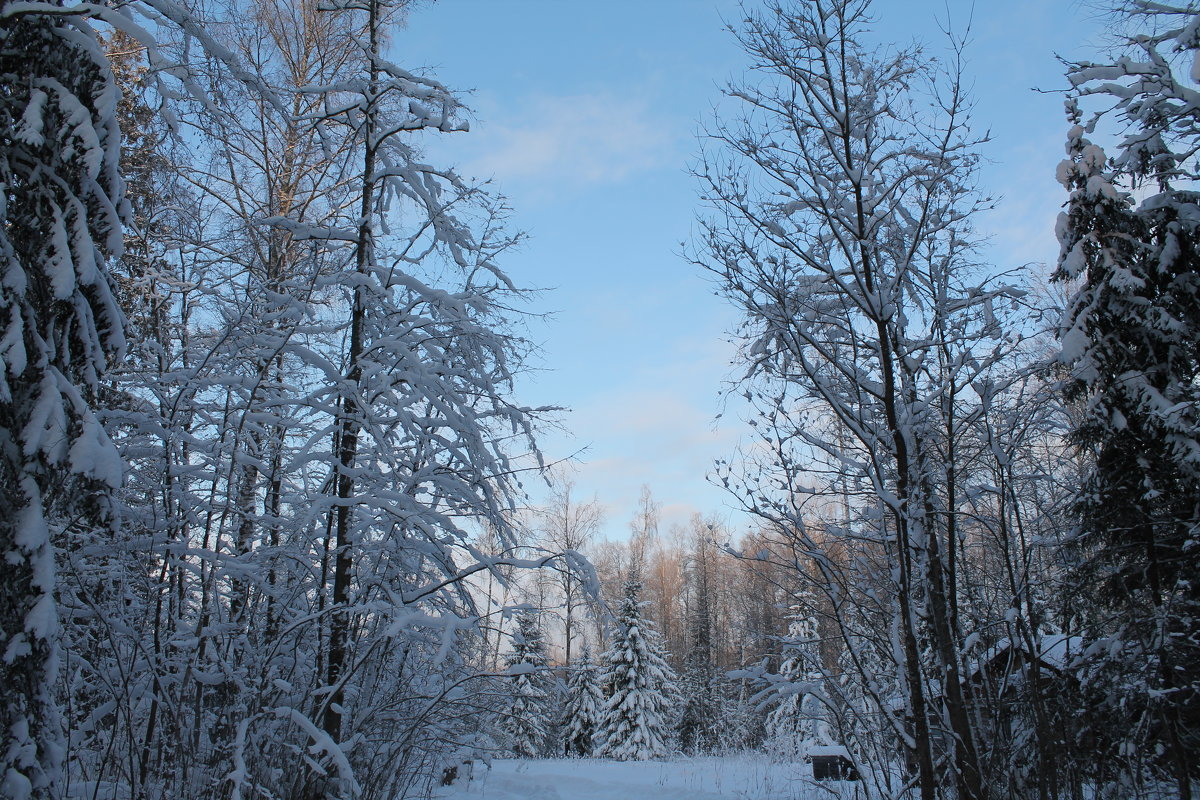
{"x":263,"y":458}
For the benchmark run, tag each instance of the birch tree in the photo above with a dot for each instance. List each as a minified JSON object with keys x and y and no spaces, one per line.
{"x":569,"y":526}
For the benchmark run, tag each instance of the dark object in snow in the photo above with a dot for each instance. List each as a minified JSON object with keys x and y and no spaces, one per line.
{"x":1007,"y":665}
{"x":832,"y":764}
{"x":450,"y":774}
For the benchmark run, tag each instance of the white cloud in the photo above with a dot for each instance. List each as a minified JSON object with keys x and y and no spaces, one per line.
{"x":589,"y":138}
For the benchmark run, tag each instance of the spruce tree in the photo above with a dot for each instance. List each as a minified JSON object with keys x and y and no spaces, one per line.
{"x":701,"y":709}
{"x":701,"y":706}
{"x":1131,"y":342}
{"x":635,"y":725}
{"x":60,"y":223}
{"x":526,"y":721}
{"x":585,"y":701}
{"x":796,"y":722}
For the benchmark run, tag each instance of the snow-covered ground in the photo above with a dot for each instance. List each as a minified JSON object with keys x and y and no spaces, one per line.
{"x":743,"y":777}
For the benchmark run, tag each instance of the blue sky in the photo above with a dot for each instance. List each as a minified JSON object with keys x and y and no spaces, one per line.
{"x":586,"y":116}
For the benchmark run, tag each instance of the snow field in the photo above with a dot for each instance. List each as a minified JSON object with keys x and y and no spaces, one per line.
{"x":741,"y":777}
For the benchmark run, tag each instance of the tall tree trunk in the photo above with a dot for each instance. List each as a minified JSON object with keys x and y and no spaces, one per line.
{"x":349,"y":427}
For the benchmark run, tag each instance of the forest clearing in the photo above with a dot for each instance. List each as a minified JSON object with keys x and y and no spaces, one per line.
{"x":741,"y":777}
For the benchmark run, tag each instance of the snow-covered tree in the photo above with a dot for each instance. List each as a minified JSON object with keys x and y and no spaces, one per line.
{"x":526,"y":721}
{"x":568,"y":525}
{"x":742,"y":724}
{"x":316,"y":413}
{"x":582,"y":711}
{"x":796,"y":721}
{"x":635,"y":724}
{"x":419,"y":421}
{"x":60,"y":221}
{"x":838,"y":205}
{"x":1131,"y":341}
{"x":698,"y":687}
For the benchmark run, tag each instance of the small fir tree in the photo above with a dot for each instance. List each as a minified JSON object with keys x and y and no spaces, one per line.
{"x":581,"y":714}
{"x":701,"y":713}
{"x":527,"y":718}
{"x":742,"y":722}
{"x":634,"y":726}
{"x":797,"y":722}
{"x":701,"y":701}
